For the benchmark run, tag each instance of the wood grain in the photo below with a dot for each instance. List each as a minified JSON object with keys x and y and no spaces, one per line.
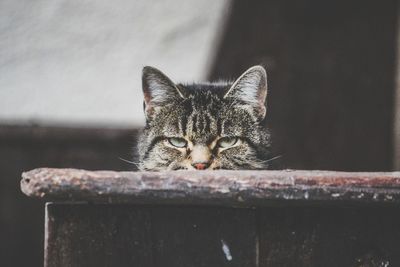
{"x":237,"y":188}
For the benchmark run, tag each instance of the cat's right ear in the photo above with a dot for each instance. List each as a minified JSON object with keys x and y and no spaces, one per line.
{"x":158,"y":90}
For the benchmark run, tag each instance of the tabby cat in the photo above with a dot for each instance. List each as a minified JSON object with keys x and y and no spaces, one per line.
{"x":204,"y":125}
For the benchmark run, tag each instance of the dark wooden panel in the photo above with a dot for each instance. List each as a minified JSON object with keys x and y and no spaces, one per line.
{"x":149,"y":236}
{"x":97,"y":235}
{"x":331,"y":72}
{"x":145,"y":236}
{"x":204,"y":237}
{"x":329,"y":237}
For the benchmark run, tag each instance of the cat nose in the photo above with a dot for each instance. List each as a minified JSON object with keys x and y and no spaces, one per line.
{"x":200,"y":157}
{"x":201,"y":165}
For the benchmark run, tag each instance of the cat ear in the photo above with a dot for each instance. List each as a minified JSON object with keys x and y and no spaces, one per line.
{"x":158,"y":90}
{"x":251,"y":88}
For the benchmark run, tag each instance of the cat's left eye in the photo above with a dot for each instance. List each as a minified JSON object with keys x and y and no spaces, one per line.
{"x":177,"y":142}
{"x":226,"y":142}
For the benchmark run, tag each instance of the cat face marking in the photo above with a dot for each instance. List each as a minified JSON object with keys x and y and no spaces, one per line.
{"x":201,"y":156}
{"x":206,"y":125}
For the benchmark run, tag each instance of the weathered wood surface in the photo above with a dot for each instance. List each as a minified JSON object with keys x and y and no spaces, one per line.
{"x":94,"y":233}
{"x":211,"y":187}
{"x":149,"y":236}
{"x":203,"y":236}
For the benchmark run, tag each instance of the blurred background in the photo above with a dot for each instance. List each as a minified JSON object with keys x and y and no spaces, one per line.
{"x":70,"y":84}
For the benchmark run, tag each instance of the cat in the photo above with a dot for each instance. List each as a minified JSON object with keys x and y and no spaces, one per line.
{"x":204,"y":126}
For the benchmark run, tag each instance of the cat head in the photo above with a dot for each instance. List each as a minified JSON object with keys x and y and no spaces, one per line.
{"x":204,"y":126}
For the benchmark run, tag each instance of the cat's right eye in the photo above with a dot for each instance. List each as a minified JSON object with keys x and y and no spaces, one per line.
{"x":177,"y":142}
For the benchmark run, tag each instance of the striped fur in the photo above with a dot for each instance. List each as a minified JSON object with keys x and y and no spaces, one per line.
{"x":202,"y":114}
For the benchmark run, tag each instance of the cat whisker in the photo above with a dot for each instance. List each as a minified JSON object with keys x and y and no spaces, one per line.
{"x":130,"y":162}
{"x":271,"y":159}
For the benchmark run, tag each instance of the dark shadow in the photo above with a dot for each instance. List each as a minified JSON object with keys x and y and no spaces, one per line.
{"x":331,"y":68}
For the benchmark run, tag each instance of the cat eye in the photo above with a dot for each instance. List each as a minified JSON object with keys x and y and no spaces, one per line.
{"x":177,"y":142}
{"x":226,"y":142}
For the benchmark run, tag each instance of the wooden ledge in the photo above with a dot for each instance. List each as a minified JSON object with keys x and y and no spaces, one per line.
{"x":236,"y":188}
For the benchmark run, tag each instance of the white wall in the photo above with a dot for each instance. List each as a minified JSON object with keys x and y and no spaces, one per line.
{"x":79,"y":61}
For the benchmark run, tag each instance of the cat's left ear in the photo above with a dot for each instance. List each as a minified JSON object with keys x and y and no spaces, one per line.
{"x":158,"y":90}
{"x":251,"y":88}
